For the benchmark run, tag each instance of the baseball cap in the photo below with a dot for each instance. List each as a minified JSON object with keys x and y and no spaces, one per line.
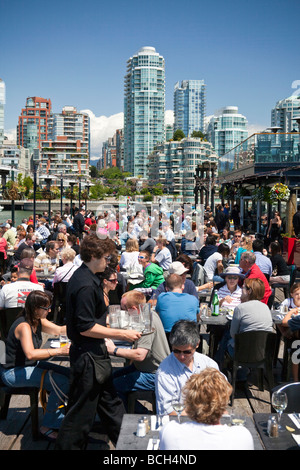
{"x":177,"y":268}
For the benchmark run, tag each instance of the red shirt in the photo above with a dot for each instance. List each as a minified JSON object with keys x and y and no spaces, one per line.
{"x":256,"y":273}
{"x":3,"y":246}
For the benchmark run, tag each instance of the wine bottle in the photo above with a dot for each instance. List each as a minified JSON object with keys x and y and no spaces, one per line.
{"x":215,"y":305}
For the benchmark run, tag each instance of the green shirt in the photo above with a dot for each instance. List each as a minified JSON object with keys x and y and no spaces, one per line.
{"x":153,"y":277}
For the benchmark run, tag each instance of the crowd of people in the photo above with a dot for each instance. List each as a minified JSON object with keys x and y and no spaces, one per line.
{"x":129,"y":258}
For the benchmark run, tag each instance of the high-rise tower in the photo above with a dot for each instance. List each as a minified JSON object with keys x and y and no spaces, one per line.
{"x":286,"y":112}
{"x":226,"y":129}
{"x":32,"y":127}
{"x":189,"y":106}
{"x":144,"y":108}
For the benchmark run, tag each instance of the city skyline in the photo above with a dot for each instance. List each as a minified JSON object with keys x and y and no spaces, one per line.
{"x":246,"y":54}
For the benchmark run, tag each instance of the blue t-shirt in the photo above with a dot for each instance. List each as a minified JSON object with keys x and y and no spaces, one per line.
{"x":173,"y":306}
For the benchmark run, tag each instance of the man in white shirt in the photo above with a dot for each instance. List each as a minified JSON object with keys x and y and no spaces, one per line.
{"x":176,"y":368}
{"x":213,"y":266}
{"x":15,"y":294}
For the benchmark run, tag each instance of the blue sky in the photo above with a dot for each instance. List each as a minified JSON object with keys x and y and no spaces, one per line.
{"x":75,"y":52}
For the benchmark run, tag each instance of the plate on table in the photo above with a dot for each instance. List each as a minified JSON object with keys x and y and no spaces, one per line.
{"x":229,"y":316}
{"x":55,"y":344}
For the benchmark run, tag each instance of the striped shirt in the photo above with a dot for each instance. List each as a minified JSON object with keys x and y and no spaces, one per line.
{"x":236,"y":296}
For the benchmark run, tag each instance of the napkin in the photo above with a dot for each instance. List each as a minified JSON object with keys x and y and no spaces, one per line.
{"x":157,"y":422}
{"x":152,"y":446}
{"x":297,"y":438}
{"x":295,"y":420}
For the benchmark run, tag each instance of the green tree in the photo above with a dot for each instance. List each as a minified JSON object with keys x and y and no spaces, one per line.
{"x":94,"y":173}
{"x":28,"y":183}
{"x":157,"y":190}
{"x":113,"y":173}
{"x":198,"y":134}
{"x":178,"y":135}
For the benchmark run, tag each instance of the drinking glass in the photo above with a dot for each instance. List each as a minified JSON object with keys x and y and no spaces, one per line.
{"x":114,"y":320}
{"x":236,"y":418}
{"x":279,"y":403}
{"x":114,"y":309}
{"x":204,"y":310}
{"x":124,"y":319}
{"x":147,"y":317}
{"x":177,"y":405}
{"x":63,"y":340}
{"x":136,"y":320}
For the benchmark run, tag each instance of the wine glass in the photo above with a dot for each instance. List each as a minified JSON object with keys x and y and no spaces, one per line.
{"x":177,"y":405}
{"x":279,"y":403}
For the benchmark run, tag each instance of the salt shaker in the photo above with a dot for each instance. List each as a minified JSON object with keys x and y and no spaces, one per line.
{"x":141,"y":428}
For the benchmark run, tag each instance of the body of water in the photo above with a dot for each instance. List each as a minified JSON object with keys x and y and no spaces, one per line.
{"x":19,"y":215}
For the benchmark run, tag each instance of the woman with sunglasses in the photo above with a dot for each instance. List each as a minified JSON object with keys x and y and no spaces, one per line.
{"x":109,"y":279}
{"x":24,"y":356}
{"x":153,"y":274}
{"x":62,"y":241}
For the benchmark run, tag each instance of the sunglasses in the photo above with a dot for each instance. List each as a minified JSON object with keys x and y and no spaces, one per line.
{"x":46,"y":308}
{"x":232,"y":277}
{"x":113,"y":280}
{"x":142,"y":257}
{"x":186,"y":353}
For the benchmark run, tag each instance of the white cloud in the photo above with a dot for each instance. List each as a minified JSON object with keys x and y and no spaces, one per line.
{"x":169,"y":117}
{"x":254,"y":128}
{"x":101,"y":128}
{"x":11,"y":134}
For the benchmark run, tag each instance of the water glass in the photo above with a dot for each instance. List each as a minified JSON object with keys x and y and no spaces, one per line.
{"x":136,"y":320}
{"x":124,"y":319}
{"x":114,"y":320}
{"x":147,"y":317}
{"x":204,"y":310}
{"x":114,"y":309}
{"x":279,"y":402}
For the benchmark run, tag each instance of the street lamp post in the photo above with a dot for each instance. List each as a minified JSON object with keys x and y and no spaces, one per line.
{"x":13,"y":201}
{"x":87,"y":186}
{"x":79,"y":192}
{"x":72,"y":183}
{"x":61,"y":194}
{"x":34,"y":192}
{"x":48,"y":180}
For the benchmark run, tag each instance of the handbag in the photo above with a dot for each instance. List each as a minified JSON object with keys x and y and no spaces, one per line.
{"x":102,"y":367}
